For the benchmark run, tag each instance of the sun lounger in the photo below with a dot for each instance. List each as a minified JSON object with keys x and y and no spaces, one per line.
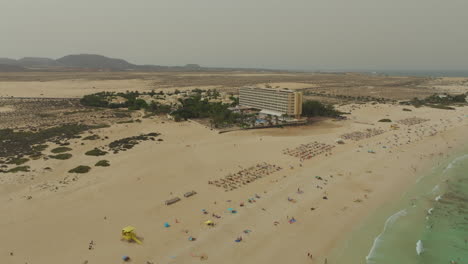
{"x":188,"y":194}
{"x":172,"y":201}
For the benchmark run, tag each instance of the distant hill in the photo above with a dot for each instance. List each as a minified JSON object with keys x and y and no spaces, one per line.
{"x":7,"y":61}
{"x":92,"y":61}
{"x":11,"y":68}
{"x":34,"y":62}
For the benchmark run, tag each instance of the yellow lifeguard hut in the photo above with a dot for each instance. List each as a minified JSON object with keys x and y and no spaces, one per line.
{"x":129,"y":234}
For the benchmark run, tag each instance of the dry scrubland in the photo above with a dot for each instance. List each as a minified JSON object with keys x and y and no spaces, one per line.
{"x":37,"y":84}
{"x":269,"y":176}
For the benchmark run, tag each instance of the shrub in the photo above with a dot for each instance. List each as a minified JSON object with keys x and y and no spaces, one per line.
{"x":96,"y":152}
{"x":439,"y":106}
{"x":26,"y":142}
{"x":137,"y":104}
{"x":97,"y":100}
{"x":39,"y":148}
{"x":122,"y":114}
{"x":158,"y":108}
{"x":80,"y":169}
{"x":385,"y":120}
{"x":19,"y":169}
{"x":407,"y":109}
{"x":63,"y":156}
{"x":60,"y":150}
{"x":315,"y":108}
{"x":125,"y":122}
{"x":102,"y":163}
{"x":92,"y":137}
{"x":18,"y":161}
{"x":36,"y":156}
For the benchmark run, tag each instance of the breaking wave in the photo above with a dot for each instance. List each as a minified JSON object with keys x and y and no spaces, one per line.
{"x":392,"y":219}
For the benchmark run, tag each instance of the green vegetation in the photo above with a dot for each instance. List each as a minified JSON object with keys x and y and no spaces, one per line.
{"x":40,"y":148}
{"x":102,"y":163}
{"x":218,"y":113}
{"x":96,"y":152}
{"x":19,"y":169}
{"x":126,"y":122}
{"x":197,"y":105}
{"x":192,"y":107}
{"x":79,"y":111}
{"x":129,"y":142}
{"x":63,"y":156}
{"x":351,"y":98}
{"x":235,"y":100}
{"x":132,"y":102}
{"x":312,"y":108}
{"x":158,"y":108}
{"x":15,"y":143}
{"x":439,"y":101}
{"x":96,"y":100}
{"x":80,"y":169}
{"x":60,"y":150}
{"x":92,"y":137}
{"x":440,"y":106}
{"x":17,"y":161}
{"x":36,"y":156}
{"x":385,"y":120}
{"x":122,"y":114}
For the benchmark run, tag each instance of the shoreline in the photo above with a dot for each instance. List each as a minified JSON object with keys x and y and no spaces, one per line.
{"x":381,"y":218}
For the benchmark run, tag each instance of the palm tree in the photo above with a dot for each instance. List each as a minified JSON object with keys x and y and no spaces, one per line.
{"x":269,"y":120}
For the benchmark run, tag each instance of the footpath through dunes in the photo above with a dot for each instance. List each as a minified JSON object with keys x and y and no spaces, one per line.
{"x":326,"y":195}
{"x":4,"y":109}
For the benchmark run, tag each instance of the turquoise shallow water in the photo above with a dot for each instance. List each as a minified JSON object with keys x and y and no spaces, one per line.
{"x":429,"y":224}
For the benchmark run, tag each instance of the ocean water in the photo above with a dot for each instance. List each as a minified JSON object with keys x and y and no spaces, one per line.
{"x":428,"y":225}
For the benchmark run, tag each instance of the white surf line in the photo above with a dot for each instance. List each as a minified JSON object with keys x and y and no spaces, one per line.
{"x":456,"y":160}
{"x":392,"y":219}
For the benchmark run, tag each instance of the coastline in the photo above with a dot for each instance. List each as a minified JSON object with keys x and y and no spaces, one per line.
{"x":362,"y":244}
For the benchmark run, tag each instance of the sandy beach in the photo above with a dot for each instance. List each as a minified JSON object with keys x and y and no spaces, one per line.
{"x":309,"y":206}
{"x":234,"y":132}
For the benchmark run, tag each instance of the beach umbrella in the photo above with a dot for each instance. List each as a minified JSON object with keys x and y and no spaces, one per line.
{"x":209,"y":222}
{"x":167,"y":224}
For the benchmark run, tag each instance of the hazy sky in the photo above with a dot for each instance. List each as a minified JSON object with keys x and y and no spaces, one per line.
{"x":290,"y":34}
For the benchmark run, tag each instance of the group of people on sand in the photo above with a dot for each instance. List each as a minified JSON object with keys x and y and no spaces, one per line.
{"x":308,"y":151}
{"x":360,"y":135}
{"x":245,"y":176}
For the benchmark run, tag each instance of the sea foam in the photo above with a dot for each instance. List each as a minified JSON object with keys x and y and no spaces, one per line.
{"x":455,"y":161}
{"x":419,"y":247}
{"x":392,"y":219}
